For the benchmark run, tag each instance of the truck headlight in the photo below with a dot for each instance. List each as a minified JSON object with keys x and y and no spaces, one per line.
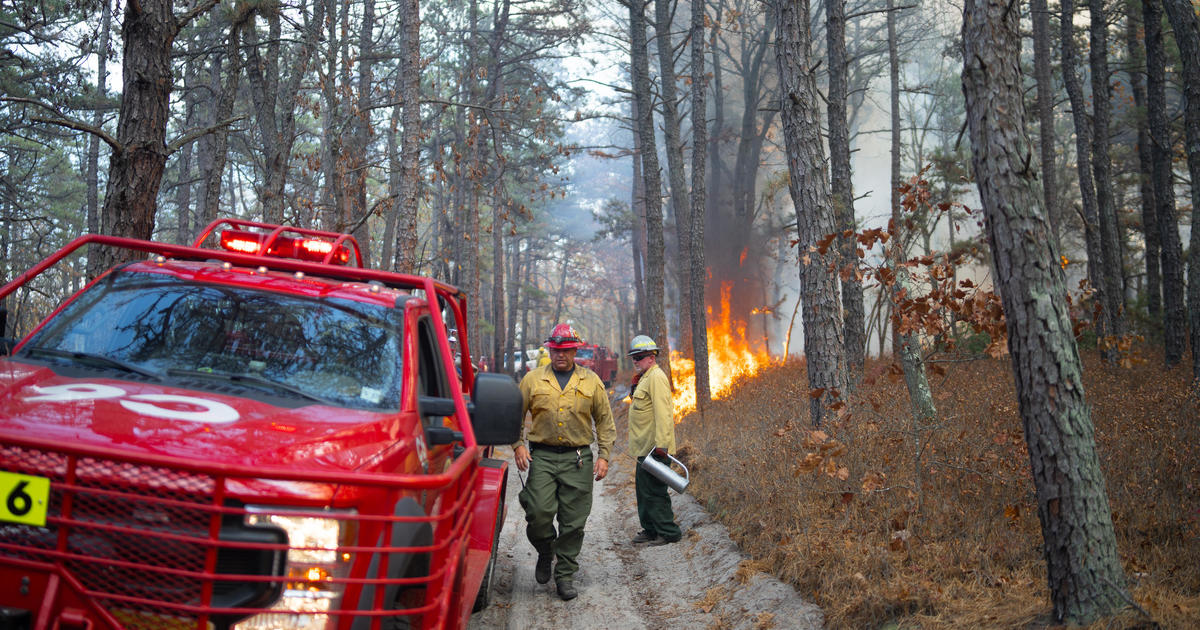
{"x":314,"y":560}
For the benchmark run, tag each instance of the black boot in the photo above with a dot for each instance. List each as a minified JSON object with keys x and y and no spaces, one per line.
{"x":566,"y":590}
{"x":542,"y":572}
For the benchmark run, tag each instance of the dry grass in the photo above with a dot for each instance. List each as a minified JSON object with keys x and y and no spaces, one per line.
{"x":880,"y":538}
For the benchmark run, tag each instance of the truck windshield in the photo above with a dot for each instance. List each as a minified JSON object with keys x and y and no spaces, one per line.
{"x":584,"y":353}
{"x":330,"y":350}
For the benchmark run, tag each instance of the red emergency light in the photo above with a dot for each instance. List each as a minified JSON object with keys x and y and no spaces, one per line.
{"x":300,"y":248}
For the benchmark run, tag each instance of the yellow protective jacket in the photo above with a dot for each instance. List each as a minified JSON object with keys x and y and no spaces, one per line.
{"x":567,"y":416}
{"x":651,"y":414}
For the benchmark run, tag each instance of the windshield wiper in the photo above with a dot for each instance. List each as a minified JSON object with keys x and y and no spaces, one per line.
{"x":252,"y":379}
{"x":94,"y":359}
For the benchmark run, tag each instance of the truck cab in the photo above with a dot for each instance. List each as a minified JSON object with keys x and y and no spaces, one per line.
{"x":600,"y":360}
{"x":255,"y":435}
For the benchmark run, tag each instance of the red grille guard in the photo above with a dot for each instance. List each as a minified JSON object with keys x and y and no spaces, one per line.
{"x":144,"y":541}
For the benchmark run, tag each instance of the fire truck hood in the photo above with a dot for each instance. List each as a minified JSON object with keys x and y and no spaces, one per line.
{"x":153,"y":418}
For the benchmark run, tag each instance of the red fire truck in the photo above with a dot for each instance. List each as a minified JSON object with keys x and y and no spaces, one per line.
{"x":260,"y":434}
{"x":600,"y":360}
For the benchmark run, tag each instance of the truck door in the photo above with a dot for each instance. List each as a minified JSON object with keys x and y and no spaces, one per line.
{"x":432,"y":381}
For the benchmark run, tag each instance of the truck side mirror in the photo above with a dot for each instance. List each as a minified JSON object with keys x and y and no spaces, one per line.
{"x":496,"y":401}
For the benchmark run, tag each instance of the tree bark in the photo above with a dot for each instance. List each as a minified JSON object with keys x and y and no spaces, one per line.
{"x":186,"y":161}
{"x":410,"y":96}
{"x":215,"y":145}
{"x":136,"y":166}
{"x":500,"y":344}
{"x":638,"y":207}
{"x":656,"y":326}
{"x":1162,"y":150}
{"x":699,"y":271}
{"x":675,"y":170}
{"x":93,"y":159}
{"x":1083,"y":160}
{"x":333,"y":119}
{"x":361,"y":133}
{"x":1084,"y":569}
{"x":1110,"y":238}
{"x":1044,"y":77}
{"x":843,"y":191}
{"x":1187,"y":35}
{"x":1137,"y":85}
{"x":898,"y":246}
{"x":809,"y":187}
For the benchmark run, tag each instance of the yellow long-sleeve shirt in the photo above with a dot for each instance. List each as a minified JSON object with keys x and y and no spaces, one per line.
{"x":651,"y":414}
{"x":566,"y":416}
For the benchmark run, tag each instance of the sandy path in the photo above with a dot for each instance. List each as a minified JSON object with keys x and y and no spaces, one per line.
{"x":698,"y":582}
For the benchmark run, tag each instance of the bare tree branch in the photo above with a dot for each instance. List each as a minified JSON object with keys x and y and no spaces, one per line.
{"x":192,"y":135}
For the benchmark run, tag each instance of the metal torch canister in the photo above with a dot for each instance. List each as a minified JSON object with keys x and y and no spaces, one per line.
{"x":664,"y":473}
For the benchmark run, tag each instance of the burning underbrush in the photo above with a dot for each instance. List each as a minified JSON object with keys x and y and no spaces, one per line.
{"x":885,"y":524}
{"x":731,"y":358}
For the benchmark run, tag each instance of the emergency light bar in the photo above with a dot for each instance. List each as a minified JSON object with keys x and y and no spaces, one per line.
{"x":305,"y":248}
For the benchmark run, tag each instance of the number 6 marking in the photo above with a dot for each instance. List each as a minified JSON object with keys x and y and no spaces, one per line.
{"x":18,"y":495}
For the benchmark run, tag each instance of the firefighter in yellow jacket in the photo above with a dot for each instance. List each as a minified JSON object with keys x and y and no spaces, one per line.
{"x":651,"y":434}
{"x":568,"y":402}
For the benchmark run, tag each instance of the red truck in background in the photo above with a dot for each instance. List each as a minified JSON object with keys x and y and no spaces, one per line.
{"x":600,"y":360}
{"x":257,"y":435}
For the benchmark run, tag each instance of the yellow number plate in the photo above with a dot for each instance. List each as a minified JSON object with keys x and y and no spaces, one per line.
{"x":24,"y":499}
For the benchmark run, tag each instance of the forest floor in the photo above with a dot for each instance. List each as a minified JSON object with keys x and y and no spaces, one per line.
{"x":879,"y":522}
{"x":886,"y":524}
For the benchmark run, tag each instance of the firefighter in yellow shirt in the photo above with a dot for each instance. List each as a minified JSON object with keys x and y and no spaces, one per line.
{"x":651,"y":434}
{"x":568,"y":401}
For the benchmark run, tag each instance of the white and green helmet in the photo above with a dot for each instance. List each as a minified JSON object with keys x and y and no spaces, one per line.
{"x":642,"y":343}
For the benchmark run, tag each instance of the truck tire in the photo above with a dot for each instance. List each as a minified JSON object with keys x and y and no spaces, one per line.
{"x":484,"y":597}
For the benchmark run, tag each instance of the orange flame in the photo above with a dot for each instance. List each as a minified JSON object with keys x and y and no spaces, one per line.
{"x":730,"y":359}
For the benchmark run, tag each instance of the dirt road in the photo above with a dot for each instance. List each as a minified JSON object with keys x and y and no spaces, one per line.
{"x":702,"y":581}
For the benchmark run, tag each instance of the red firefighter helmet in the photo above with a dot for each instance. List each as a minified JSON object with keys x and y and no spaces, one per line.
{"x":564,"y":337}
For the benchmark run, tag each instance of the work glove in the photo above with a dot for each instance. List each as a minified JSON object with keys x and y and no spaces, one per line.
{"x":659,"y":451}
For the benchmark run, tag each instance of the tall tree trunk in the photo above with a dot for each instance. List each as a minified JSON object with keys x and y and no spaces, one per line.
{"x":513,"y":297}
{"x":214,"y":147}
{"x":906,"y":345}
{"x":360,"y":135}
{"x":699,"y":271}
{"x":1137,"y":84}
{"x":1084,"y":569}
{"x":93,"y":159}
{"x":898,"y":246}
{"x":638,"y":207}
{"x":1187,"y":35}
{"x":656,"y":326}
{"x":185,"y":164}
{"x":410,"y":97}
{"x":500,"y":343}
{"x":1044,"y":77}
{"x":1162,"y":150}
{"x":333,"y":120}
{"x":712,"y":204}
{"x":843,"y":191}
{"x":136,"y":164}
{"x":273,"y":90}
{"x":680,"y":206}
{"x":391,"y":206}
{"x":1083,"y":160}
{"x":1110,"y":241}
{"x":809,"y":187}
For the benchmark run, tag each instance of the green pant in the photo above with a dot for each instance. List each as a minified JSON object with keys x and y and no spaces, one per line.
{"x":654,"y":505}
{"x":559,"y":484}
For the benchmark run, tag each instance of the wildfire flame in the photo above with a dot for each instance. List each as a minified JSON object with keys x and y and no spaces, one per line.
{"x":730,"y":358}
